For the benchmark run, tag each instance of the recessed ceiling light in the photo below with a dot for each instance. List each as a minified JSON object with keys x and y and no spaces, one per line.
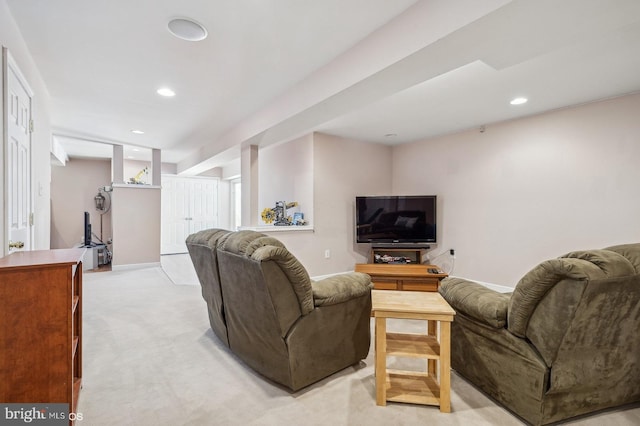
{"x":138,"y":132}
{"x":136,"y":150}
{"x":165,"y":91}
{"x":390,"y":135}
{"x":187,"y":29}
{"x":518,"y":101}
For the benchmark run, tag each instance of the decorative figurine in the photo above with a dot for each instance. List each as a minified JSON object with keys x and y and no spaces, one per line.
{"x":278,"y":214}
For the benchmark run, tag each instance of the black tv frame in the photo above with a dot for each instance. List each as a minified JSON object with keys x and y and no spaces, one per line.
{"x":399,"y":242}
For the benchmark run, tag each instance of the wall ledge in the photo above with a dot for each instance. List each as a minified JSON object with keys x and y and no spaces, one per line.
{"x":307,"y":228}
{"x":131,"y":185}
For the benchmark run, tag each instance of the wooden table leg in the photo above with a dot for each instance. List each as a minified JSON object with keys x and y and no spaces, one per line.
{"x":381,"y":361}
{"x":432,"y":330}
{"x":445,"y":366}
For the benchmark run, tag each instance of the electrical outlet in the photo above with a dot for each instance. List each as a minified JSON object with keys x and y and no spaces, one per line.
{"x":327,"y":254}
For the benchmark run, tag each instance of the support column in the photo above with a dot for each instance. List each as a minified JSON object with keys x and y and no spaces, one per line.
{"x":249,"y":187}
{"x":117,"y":164}
{"x":156,"y":167}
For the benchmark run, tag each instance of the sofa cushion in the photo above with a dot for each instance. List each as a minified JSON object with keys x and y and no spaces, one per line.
{"x":340,"y":288}
{"x":476,"y":301}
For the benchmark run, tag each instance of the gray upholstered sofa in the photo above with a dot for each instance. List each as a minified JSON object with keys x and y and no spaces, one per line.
{"x":566,"y":342}
{"x":265,"y":308}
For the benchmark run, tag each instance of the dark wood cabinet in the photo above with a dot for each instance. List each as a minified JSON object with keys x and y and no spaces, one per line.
{"x":41,"y":327}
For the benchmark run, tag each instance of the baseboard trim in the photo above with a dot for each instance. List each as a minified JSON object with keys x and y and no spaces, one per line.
{"x":132,"y":266}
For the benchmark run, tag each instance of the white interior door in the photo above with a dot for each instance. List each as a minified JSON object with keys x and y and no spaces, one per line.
{"x":188,"y":205}
{"x":18,"y":160}
{"x":203,"y":204}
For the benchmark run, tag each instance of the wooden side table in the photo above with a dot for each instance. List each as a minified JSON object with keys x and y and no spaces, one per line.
{"x":432,"y":387}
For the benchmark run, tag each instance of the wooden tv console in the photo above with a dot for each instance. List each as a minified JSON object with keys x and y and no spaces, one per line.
{"x":402,"y":277}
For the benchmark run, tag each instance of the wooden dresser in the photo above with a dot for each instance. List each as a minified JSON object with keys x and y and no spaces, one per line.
{"x":41,"y":327}
{"x":402,"y":277}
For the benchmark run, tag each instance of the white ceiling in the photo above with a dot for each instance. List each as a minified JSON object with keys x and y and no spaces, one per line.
{"x":272,"y":70}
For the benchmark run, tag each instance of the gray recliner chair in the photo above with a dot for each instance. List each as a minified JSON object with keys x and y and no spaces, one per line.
{"x":564,"y":343}
{"x":283,"y":325}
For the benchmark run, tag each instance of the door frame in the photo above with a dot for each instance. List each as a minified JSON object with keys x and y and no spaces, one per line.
{"x":9,"y":64}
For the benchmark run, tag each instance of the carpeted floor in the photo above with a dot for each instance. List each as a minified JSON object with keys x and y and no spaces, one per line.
{"x":150,"y":358}
{"x":179,"y":269}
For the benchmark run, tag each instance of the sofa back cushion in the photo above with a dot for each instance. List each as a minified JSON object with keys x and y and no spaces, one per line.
{"x":545,"y":301}
{"x":631,"y":252}
{"x":261,"y":248}
{"x":258,"y":313}
{"x":202,"y":248}
{"x":600,"y":348}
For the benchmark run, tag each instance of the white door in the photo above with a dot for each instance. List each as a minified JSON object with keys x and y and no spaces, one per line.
{"x":188,"y":205}
{"x":203,"y":204}
{"x":18,"y":160}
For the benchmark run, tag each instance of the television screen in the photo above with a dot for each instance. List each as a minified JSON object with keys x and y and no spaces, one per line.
{"x":396,"y":219}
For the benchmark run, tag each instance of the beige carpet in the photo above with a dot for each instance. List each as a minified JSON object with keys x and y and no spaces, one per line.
{"x":179,"y":269}
{"x":150,"y":358}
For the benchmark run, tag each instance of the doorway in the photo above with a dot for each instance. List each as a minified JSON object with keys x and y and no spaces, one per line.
{"x":188,"y":205}
{"x":17,"y":162}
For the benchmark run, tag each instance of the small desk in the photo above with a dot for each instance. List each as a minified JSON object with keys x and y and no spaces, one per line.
{"x":407,"y":386}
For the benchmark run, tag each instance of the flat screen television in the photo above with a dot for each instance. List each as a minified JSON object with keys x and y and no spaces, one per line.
{"x":87,"y":230}
{"x":408,"y":220}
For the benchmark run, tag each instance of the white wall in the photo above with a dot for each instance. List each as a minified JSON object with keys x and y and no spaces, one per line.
{"x":136,"y":225}
{"x":11,"y":38}
{"x":73,"y":188}
{"x":531,"y":189}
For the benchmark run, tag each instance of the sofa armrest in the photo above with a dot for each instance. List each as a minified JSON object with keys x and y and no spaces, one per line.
{"x":340,"y":288}
{"x":476,"y":301}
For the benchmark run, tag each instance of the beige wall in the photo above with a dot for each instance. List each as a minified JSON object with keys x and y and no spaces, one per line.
{"x":530,"y":189}
{"x":286,"y":174}
{"x":133,"y":221}
{"x":136,"y":225}
{"x":11,"y":38}
{"x":342,"y":169}
{"x":73,"y":188}
{"x":131,"y":168}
